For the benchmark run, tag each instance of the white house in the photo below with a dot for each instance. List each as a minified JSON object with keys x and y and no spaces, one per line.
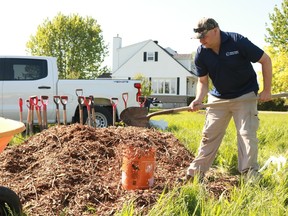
{"x":171,"y":74}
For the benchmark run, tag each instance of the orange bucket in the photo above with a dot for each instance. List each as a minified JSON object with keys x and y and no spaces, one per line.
{"x":138,"y":169}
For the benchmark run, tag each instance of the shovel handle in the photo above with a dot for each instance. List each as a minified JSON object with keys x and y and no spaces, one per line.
{"x":21,"y":109}
{"x":187,"y":108}
{"x":81,"y":100}
{"x":44,"y":101}
{"x":125,"y":98}
{"x":79,"y":92}
{"x":34,"y":100}
{"x":92,"y":100}
{"x":94,"y":123}
{"x":114,"y":102}
{"x":21,"y":104}
{"x":56,"y":100}
{"x":141,"y":103}
{"x":87,"y":102}
{"x":64,"y":101}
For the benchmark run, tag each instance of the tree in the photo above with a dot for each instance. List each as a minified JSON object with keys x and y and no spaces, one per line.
{"x":145,"y":84}
{"x":278,"y":33}
{"x":76,"y":42}
{"x":277,"y":50}
{"x":280,"y":70}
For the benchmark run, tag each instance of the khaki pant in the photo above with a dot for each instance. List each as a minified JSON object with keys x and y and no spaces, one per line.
{"x":246,"y":120}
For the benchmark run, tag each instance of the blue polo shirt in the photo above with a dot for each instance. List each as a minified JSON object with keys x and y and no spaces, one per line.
{"x":231,"y":70}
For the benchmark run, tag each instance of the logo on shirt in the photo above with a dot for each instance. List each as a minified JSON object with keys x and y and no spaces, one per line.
{"x":232,"y":53}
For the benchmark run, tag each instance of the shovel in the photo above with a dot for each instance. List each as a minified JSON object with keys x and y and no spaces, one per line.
{"x":29,"y":123}
{"x":21,"y":109}
{"x":81,"y":100}
{"x":87,"y":102}
{"x":38,"y":112}
{"x":94,"y":123}
{"x":125,"y":98}
{"x":64,"y":100}
{"x":114,"y":102}
{"x":57,"y":100}
{"x":139,"y":117}
{"x":44,"y":101}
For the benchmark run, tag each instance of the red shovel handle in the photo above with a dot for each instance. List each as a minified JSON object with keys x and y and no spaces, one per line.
{"x":28,"y":103}
{"x":44,"y":101}
{"x":87,"y":102}
{"x":34,"y":100}
{"x":64,"y":100}
{"x":114,"y":102}
{"x":125,"y":98}
{"x":39,"y":105}
{"x":21,"y":104}
{"x":141,"y":103}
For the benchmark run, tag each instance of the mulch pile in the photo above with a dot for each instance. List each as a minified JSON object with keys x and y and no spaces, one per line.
{"x":76,"y":169}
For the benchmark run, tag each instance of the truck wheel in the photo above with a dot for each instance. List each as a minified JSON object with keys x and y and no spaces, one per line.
{"x":103,"y":117}
{"x":9,"y":202}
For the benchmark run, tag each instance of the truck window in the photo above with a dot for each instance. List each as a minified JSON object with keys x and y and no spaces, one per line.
{"x":24,"y":69}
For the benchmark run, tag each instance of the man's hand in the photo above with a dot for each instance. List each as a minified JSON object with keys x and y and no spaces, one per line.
{"x":265,"y":96}
{"x":195,"y":105}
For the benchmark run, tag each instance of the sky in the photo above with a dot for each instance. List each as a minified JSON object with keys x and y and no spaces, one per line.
{"x":169,"y":22}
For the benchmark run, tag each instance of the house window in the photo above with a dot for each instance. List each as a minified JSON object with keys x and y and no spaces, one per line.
{"x":165,"y":86}
{"x":150,"y":56}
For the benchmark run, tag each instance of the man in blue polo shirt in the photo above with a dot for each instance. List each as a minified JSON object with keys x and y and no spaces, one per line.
{"x":225,"y":58}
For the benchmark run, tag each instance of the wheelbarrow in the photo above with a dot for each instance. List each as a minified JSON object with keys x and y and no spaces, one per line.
{"x":9,"y":201}
{"x":8,"y":128}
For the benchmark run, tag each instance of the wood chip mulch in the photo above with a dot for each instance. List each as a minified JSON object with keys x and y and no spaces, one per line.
{"x":76,"y":169}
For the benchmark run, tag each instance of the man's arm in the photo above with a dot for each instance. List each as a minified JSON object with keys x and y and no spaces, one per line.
{"x":266,"y":63}
{"x":201,"y":92}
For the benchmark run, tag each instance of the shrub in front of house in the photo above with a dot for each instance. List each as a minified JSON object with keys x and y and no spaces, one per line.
{"x":273,"y":105}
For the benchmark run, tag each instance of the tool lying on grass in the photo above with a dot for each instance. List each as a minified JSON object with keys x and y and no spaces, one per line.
{"x":139,"y":117}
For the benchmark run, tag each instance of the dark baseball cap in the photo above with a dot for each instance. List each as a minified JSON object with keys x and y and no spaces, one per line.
{"x":204,"y":25}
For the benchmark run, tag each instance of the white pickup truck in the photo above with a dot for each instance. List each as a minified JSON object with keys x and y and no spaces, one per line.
{"x":22,"y":77}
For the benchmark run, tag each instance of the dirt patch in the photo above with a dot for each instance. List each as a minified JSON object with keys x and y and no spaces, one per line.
{"x":76,"y":169}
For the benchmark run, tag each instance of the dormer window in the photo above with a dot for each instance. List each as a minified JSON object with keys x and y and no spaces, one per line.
{"x":150,"y":56}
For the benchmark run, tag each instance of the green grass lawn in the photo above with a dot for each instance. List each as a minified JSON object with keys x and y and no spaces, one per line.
{"x":269,"y":196}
